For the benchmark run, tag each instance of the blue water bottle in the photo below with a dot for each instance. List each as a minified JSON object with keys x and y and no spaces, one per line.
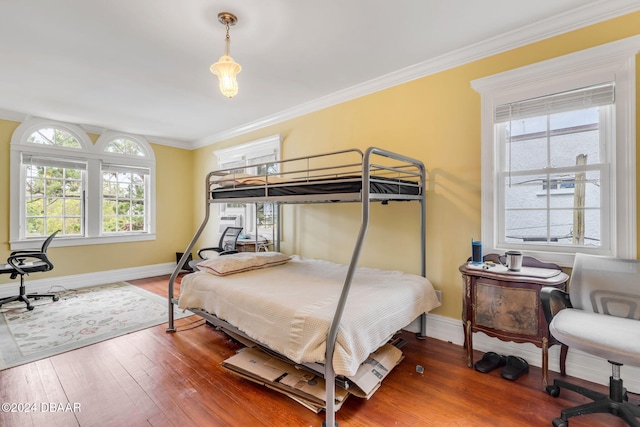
{"x":476,"y":252}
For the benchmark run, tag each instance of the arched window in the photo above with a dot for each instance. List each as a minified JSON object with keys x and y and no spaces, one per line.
{"x":55,"y":168}
{"x":126,"y":146}
{"x":55,"y":137}
{"x":126,"y":174}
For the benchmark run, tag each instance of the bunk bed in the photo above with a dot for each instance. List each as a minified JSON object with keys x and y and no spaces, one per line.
{"x":375,"y":175}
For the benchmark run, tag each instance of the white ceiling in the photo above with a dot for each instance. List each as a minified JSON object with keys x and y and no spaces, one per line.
{"x":142,"y":66}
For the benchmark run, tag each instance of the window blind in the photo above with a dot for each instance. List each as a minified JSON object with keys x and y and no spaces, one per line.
{"x":107,"y":167}
{"x":592,"y":96}
{"x":261,"y":159}
{"x":35,"y":160}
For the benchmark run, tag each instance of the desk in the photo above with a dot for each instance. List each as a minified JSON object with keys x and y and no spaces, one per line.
{"x":506,"y":305}
{"x":250,"y":245}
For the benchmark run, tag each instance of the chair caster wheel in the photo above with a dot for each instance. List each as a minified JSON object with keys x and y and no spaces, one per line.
{"x":55,"y":299}
{"x":30,"y":307}
{"x":553,"y":390}
{"x":559,"y":422}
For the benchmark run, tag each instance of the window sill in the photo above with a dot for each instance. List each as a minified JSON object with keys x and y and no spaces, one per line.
{"x":556,"y":255}
{"x":63,"y":241}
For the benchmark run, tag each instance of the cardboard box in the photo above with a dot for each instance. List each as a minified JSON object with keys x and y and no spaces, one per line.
{"x":370,"y":374}
{"x":306,"y":388}
{"x":257,"y":366}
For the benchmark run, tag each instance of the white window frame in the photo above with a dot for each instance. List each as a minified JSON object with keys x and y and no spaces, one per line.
{"x":240,"y":153}
{"x":94,"y":156}
{"x":609,"y":62}
{"x":142,"y":162}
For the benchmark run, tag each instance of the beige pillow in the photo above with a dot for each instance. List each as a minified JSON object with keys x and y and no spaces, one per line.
{"x":242,"y":261}
{"x":234,"y":179}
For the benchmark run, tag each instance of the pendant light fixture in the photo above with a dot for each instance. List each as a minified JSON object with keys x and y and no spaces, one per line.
{"x":226,"y":68}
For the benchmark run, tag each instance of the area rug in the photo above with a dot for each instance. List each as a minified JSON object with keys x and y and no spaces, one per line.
{"x":81,"y":317}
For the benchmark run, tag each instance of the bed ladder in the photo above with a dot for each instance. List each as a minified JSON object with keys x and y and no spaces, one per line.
{"x":330,"y":376}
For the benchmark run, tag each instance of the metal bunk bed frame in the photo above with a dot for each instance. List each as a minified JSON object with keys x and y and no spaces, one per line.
{"x":410,"y":167}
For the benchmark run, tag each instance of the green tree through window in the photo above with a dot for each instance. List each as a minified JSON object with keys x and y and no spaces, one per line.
{"x":54,"y":136}
{"x":53,"y":200}
{"x":94,"y":192}
{"x":123,"y":205}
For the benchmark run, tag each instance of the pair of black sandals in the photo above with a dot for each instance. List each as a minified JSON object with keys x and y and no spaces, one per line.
{"x":513,"y":366}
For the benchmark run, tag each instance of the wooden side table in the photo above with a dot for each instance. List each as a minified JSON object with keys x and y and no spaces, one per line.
{"x":506,"y":305}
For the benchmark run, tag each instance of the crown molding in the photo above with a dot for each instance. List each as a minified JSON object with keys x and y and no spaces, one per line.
{"x":15,"y":116}
{"x":596,"y":60}
{"x":176,"y":143}
{"x":578,"y":18}
{"x":96,"y":130}
{"x":12,"y":116}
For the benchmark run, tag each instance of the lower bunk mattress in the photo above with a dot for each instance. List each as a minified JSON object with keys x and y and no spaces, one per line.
{"x":289,"y":307}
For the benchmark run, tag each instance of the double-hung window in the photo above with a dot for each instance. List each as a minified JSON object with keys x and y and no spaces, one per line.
{"x":92,"y":193}
{"x":255,"y":158}
{"x":53,"y":196}
{"x":558,"y":150}
{"x":553,"y":168}
{"x":125,"y":173}
{"x":124,"y":199}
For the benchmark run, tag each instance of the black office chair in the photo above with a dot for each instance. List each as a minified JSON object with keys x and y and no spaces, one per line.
{"x":226,"y":246}
{"x":600,"y":315}
{"x":24,"y":262}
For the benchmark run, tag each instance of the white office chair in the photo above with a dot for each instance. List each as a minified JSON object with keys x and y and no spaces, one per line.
{"x":601,"y":317}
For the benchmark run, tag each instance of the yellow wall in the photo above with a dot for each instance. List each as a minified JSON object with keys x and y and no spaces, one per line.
{"x":435,"y":119}
{"x":6,"y":130}
{"x":174,"y":201}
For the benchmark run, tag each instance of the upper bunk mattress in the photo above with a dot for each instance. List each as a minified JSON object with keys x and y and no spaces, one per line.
{"x":289,"y":307}
{"x":256,"y":187}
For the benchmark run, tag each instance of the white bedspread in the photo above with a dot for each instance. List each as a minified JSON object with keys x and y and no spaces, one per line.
{"x":289,"y":307}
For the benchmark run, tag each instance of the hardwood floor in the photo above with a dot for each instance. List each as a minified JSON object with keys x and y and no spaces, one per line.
{"x":154,"y":378}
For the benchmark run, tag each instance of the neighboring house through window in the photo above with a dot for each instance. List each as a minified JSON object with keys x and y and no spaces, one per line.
{"x":60,"y":180}
{"x":558,"y":150}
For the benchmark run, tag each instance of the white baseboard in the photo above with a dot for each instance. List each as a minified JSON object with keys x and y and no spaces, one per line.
{"x":77,"y":281}
{"x":579,"y":364}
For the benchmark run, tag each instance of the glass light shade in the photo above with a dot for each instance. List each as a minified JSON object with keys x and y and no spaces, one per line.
{"x":226,"y":69}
